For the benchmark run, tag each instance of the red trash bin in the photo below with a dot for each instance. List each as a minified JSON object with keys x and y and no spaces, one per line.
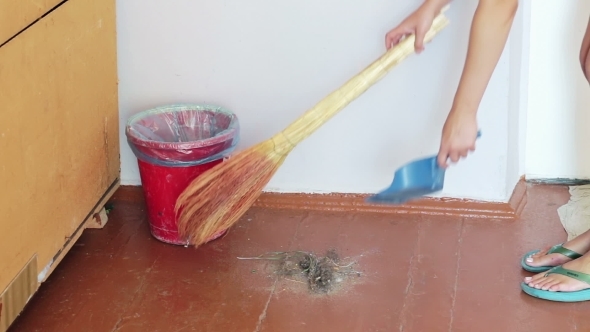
{"x":174,"y":145}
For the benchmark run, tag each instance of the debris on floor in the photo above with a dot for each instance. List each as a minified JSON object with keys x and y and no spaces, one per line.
{"x":109,"y":207}
{"x":320,"y":273}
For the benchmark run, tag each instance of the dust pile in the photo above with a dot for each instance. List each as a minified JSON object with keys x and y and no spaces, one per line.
{"x":320,"y":273}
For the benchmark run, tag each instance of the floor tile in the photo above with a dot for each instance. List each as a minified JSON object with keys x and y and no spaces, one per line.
{"x":382,"y":246}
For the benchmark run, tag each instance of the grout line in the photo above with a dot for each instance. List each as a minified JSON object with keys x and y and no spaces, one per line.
{"x":263,"y":314}
{"x":294,"y":238}
{"x":454,"y":295}
{"x":410,"y":285}
{"x":119,"y":324}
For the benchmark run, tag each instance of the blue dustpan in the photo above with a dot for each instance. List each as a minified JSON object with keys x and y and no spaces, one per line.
{"x":417,"y":178}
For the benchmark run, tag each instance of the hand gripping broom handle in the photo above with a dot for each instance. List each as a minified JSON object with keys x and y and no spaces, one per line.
{"x":337,"y":100}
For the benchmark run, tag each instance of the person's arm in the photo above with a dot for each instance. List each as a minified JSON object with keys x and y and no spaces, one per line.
{"x":584,"y":59}
{"x":489,"y":31}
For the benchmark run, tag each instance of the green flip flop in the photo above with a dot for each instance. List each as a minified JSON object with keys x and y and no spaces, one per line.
{"x":556,"y":249}
{"x":583,"y":295}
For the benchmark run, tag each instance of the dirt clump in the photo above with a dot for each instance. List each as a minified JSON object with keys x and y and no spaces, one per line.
{"x":320,"y":273}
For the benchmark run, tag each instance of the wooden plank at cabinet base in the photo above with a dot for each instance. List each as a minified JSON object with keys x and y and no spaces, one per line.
{"x":59,"y":132}
{"x":17,"y":294}
{"x":89,"y":222}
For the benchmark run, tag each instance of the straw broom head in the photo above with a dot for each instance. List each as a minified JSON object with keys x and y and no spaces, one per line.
{"x":216,"y":200}
{"x":219,"y":197}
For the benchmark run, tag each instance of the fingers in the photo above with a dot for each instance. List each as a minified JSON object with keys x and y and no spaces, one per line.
{"x":391,"y":40}
{"x":394,"y":36}
{"x":419,"y":42}
{"x":442,"y":158}
{"x":454,"y":155}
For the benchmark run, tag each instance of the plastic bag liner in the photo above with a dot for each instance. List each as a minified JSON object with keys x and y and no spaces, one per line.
{"x":183,"y":135}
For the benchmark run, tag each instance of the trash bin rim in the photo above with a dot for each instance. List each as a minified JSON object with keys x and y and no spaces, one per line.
{"x":225,"y":135}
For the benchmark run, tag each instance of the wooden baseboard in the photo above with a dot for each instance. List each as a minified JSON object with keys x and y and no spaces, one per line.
{"x":519,"y":197}
{"x":429,"y":206}
{"x":560,"y":181}
{"x":356,"y":203}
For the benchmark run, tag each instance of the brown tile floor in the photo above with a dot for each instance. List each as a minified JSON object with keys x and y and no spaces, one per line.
{"x":419,"y":273}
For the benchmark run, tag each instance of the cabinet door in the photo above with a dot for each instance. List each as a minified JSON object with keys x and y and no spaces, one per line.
{"x":15,"y":15}
{"x":59,"y":141}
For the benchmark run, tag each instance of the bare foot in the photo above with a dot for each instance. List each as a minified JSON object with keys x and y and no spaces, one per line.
{"x":580,"y":244}
{"x":559,"y":282}
{"x":541,"y":258}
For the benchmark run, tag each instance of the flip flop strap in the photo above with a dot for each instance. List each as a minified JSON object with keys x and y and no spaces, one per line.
{"x":559,"y":249}
{"x":570,"y":273}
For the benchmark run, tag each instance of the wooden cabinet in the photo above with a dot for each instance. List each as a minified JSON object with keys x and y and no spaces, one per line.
{"x":59,"y":140}
{"x":16,"y":15}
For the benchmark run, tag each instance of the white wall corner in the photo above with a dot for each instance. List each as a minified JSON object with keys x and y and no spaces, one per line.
{"x":518,"y":97}
{"x":557,"y":138}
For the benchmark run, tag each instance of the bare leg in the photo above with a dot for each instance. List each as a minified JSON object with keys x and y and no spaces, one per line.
{"x":558,"y":282}
{"x":584,"y":50}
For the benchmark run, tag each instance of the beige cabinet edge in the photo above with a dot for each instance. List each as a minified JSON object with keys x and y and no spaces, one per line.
{"x":59,"y":140}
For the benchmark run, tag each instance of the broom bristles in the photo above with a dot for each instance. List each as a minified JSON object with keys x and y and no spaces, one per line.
{"x":217,"y":199}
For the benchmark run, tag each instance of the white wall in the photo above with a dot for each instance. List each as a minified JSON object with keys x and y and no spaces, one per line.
{"x":269,"y":61}
{"x":558,"y":139}
{"x":518,"y":96}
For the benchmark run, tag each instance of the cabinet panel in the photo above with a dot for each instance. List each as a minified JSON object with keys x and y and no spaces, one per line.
{"x":17,"y":14}
{"x":59,"y":141}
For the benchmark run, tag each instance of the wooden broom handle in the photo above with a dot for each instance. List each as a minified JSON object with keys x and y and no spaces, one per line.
{"x":311,"y":120}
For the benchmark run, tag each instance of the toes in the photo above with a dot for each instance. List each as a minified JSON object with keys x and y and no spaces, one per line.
{"x":531,"y":258}
{"x":541,"y":253}
{"x":541,"y":283}
{"x":536,"y":278}
{"x":532,"y":282}
{"x":545,"y":284}
{"x":564,"y":286}
{"x":550,"y":285}
{"x":557,"y":287}
{"x":555,"y":283}
{"x":547,"y":260}
{"x":538,"y":259}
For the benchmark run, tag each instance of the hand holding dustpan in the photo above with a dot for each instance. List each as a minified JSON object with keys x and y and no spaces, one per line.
{"x":415,"y":179}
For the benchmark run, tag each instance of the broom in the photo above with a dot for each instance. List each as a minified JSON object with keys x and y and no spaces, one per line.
{"x":213,"y":202}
